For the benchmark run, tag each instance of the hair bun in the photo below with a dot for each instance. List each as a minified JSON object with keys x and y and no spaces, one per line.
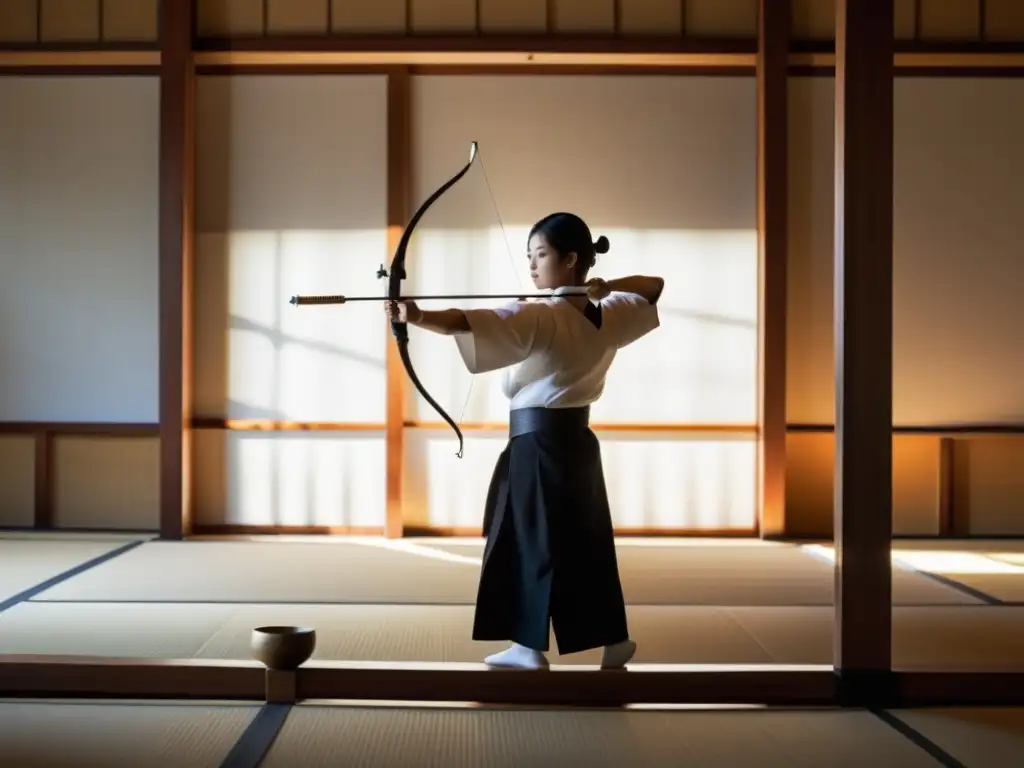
{"x":602,"y":245}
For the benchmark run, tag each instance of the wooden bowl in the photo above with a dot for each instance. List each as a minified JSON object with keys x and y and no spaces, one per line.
{"x":283,"y":648}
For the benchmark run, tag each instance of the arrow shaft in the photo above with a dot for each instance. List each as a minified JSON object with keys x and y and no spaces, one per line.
{"x":338,"y":299}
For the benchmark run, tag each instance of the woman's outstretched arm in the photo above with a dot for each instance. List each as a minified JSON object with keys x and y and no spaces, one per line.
{"x":649,"y":288}
{"x":446,"y":322}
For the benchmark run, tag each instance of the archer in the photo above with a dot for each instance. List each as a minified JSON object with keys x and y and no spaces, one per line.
{"x":550,"y":543}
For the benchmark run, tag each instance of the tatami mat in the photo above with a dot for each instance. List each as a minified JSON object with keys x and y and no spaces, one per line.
{"x":316,"y":736}
{"x":1005,"y":587}
{"x":979,"y":545}
{"x":19,"y":534}
{"x":982,"y":637}
{"x":1013,"y":558}
{"x":116,"y":734}
{"x":26,"y":562}
{"x":120,"y":735}
{"x":924,"y":638}
{"x":279,"y":572}
{"x":413,"y":572}
{"x":979,"y":738}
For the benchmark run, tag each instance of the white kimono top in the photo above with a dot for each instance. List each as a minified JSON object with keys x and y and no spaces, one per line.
{"x":553,"y":356}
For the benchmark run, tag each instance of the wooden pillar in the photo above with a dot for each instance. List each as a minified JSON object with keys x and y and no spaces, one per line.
{"x":177,"y":205}
{"x":863,"y":294}
{"x":398,"y":161}
{"x":772,"y":231}
{"x":44,"y":481}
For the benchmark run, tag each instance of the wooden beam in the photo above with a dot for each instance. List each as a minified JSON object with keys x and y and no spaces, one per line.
{"x":398,"y":163}
{"x":573,"y":685}
{"x":177,"y":203}
{"x":772,"y":237}
{"x":863,"y":296}
{"x":233,"y":529}
{"x":44,"y":481}
{"x":921,"y":64}
{"x":451,"y":56}
{"x":88,"y":677}
{"x":80,"y":428}
{"x":471,"y":532}
{"x":947,"y":468}
{"x":706,"y":430}
{"x":271,"y":425}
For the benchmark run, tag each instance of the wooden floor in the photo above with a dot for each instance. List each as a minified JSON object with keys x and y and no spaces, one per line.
{"x":956,"y":606}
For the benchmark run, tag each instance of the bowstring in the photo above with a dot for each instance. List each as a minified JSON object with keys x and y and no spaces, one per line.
{"x":511,"y":260}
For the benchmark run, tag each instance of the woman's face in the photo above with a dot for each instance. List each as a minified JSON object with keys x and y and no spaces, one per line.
{"x":546,"y":268}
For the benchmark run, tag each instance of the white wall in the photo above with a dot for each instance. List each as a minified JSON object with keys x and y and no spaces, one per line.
{"x":78,"y":249}
{"x":291,"y":199}
{"x":959,"y":258}
{"x":663,"y":166}
{"x":78,"y":293}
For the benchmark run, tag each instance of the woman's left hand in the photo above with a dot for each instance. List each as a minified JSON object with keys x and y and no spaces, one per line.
{"x":403,"y":311}
{"x":597,"y":289}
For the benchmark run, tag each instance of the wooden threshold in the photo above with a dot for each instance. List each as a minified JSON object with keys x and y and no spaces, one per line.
{"x":95,"y":677}
{"x":77,"y":677}
{"x":101,"y":677}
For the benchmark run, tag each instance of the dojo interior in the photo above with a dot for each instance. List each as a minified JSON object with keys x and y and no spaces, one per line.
{"x":184,"y":456}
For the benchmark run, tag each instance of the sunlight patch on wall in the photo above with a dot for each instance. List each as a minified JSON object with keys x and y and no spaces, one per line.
{"x":668,"y":481}
{"x":259,"y":357}
{"x":325,"y":479}
{"x":700,"y":367}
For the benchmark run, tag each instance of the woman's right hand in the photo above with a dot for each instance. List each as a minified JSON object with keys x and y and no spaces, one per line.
{"x":403,"y":311}
{"x":598,"y":289}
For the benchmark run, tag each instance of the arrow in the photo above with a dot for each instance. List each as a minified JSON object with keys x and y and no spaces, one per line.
{"x":299,"y":301}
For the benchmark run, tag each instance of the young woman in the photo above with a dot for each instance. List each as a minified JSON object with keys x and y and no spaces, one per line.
{"x":550,"y":552}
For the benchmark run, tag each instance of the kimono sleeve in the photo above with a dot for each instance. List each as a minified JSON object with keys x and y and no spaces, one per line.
{"x":502,"y":337}
{"x":627,"y":317}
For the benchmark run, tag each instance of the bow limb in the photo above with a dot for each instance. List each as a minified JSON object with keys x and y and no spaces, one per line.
{"x":398,"y":274}
{"x":403,"y":353}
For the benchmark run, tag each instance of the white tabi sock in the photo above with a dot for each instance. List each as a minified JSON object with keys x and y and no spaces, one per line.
{"x":517,"y":657}
{"x":618,"y":655}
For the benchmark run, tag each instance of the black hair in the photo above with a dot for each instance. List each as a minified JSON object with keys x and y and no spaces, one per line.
{"x":567,"y":233}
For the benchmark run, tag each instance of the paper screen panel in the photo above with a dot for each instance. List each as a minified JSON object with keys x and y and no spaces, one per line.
{"x":290,"y":479}
{"x":670,"y":181}
{"x":665,"y":482}
{"x":291,"y":199}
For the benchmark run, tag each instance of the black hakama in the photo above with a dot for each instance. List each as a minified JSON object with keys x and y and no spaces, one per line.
{"x":550,"y":553}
